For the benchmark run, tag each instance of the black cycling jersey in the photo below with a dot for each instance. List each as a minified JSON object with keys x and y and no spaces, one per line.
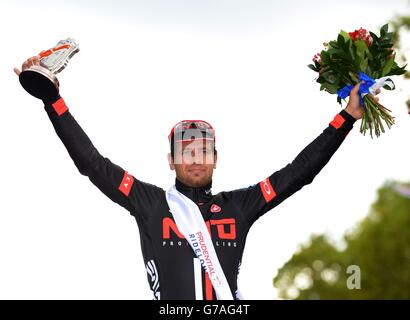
{"x":173,"y":270}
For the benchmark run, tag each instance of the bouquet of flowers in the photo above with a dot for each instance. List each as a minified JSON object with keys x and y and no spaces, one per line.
{"x":364,"y":57}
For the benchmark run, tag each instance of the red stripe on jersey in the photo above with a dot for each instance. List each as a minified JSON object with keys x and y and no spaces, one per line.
{"x":126,"y":183}
{"x":59,"y":106}
{"x":337,"y":121}
{"x":208,"y":287}
{"x":267,"y":190}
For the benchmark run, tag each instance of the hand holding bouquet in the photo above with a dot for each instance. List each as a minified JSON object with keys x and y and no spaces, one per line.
{"x":360,"y":56}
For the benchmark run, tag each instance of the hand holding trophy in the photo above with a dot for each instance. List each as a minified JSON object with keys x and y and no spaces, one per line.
{"x":38,"y":75}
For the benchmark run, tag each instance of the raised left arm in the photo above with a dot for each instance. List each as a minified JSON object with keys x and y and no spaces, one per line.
{"x":262,"y":197}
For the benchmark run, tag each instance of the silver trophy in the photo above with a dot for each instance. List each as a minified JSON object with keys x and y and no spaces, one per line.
{"x":40,"y":80}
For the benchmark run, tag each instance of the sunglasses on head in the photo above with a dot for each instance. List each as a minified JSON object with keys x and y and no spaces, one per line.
{"x":183,"y":129}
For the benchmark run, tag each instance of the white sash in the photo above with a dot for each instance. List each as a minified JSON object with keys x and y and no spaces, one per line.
{"x":191,"y":224}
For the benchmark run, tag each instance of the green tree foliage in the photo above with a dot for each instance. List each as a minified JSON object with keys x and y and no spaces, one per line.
{"x":401,"y":25}
{"x":379,"y":245}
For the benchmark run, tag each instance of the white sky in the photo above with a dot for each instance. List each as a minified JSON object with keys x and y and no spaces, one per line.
{"x":143,"y":66}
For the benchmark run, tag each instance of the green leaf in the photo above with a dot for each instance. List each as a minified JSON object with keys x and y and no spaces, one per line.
{"x":388,"y":66}
{"x":340,"y":41}
{"x":332,"y":89}
{"x":369,"y":55}
{"x":352,"y":51}
{"x":325,"y":57}
{"x":330,"y":77}
{"x":311,"y":66}
{"x":363,"y":65}
{"x":388,"y":36}
{"x":384,"y":29}
{"x":333,"y":44}
{"x":320,"y":80}
{"x":375,"y":37}
{"x":333,"y":51}
{"x":338,"y":54}
{"x":345,"y":35}
{"x":361,"y":47}
{"x":397,"y":71}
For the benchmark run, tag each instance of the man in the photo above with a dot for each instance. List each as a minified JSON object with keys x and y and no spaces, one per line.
{"x":175,"y":268}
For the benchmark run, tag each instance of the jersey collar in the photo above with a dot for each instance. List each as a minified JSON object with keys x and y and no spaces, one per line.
{"x":198,"y":195}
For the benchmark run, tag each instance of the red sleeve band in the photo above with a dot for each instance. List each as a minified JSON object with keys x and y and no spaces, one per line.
{"x":126,"y":183}
{"x":337,"y":121}
{"x":267,"y":190}
{"x":59,"y":106}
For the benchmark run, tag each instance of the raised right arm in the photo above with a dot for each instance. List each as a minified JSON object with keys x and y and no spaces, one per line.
{"x":111,"y":179}
{"x":116,"y":183}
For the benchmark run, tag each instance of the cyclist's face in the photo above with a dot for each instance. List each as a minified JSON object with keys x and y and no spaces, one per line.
{"x":194,"y":162}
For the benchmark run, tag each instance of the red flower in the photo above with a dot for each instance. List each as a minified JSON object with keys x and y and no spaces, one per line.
{"x":361,"y":34}
{"x":354,"y":35}
{"x":317,"y":58}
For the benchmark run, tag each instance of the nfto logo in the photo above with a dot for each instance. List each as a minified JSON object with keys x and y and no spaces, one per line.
{"x":225,"y":228}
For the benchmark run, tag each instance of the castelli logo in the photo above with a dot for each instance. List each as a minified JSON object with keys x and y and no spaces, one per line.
{"x":215,"y":208}
{"x":266,"y":187}
{"x":267,"y":190}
